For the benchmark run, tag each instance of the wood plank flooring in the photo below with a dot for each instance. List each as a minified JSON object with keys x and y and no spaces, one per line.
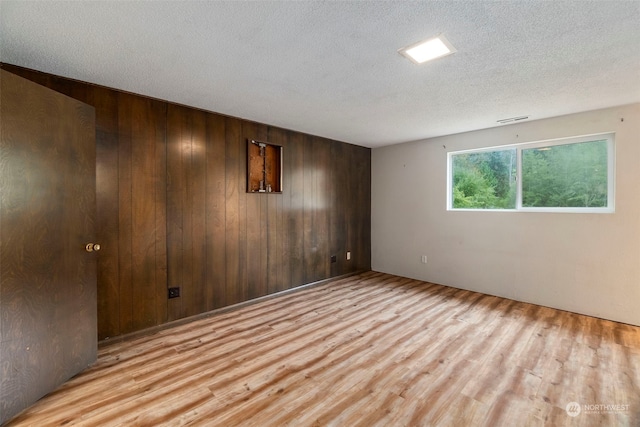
{"x":366,"y":350}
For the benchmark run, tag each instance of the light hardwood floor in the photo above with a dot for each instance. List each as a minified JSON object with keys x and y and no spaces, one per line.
{"x":367,"y":350}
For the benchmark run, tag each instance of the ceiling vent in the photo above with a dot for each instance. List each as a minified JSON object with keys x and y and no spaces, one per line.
{"x":512,"y":119}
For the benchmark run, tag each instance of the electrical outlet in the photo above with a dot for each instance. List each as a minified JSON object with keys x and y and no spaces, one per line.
{"x":174,"y":292}
{"x":424,"y":259}
{"x":334,"y":258}
{"x":348,"y":256}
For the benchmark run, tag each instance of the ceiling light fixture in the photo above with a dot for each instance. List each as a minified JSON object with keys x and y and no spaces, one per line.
{"x":435,"y":47}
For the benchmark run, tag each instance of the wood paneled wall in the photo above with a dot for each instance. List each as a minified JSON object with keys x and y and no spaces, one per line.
{"x":173,"y":208}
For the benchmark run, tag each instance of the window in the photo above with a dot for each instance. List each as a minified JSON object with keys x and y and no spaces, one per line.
{"x":563,"y":175}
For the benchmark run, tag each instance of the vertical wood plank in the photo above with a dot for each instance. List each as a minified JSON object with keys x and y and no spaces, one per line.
{"x":161,"y":218}
{"x":309,"y":210}
{"x":175,"y":210}
{"x":284,"y":264}
{"x":254,"y":223}
{"x":350,"y":219}
{"x":125,"y":206}
{"x":360,"y":208}
{"x":147,"y":132}
{"x":186,"y":196}
{"x":339,"y":203}
{"x":322,"y":150}
{"x":105,"y":102}
{"x":196,"y":206}
{"x":215,"y":214}
{"x":262,"y":133}
{"x":295,"y":223}
{"x":241,"y":170}
{"x":233,"y":235}
{"x":275,"y":234}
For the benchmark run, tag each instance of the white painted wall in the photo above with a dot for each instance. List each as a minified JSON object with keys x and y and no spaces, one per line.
{"x":585,"y":263}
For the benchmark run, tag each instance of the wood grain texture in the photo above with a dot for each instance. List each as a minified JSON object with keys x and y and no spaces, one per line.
{"x":143,"y":123}
{"x":294,"y":158}
{"x":366,"y":350}
{"x":105,"y":102}
{"x":47,"y":215}
{"x":173,"y":208}
{"x":215,"y":213}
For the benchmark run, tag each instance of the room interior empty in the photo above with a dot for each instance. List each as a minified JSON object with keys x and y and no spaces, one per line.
{"x":326,"y":232}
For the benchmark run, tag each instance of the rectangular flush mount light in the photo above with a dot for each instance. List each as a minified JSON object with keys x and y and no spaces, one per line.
{"x":427,"y":50}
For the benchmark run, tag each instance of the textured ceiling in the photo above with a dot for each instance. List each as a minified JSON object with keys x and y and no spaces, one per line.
{"x":332,"y":68}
